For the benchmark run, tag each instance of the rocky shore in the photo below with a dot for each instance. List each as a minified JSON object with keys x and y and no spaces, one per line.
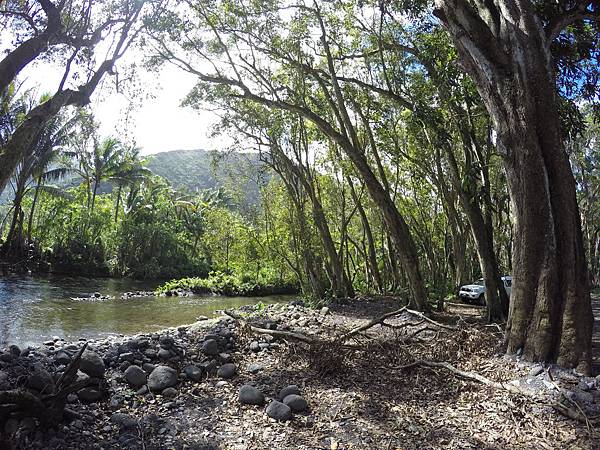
{"x":214,"y":385}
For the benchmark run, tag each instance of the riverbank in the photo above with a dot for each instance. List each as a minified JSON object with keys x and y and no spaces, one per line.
{"x":180,"y":388}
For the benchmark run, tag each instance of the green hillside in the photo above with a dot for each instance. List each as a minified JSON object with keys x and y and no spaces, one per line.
{"x":193,"y":170}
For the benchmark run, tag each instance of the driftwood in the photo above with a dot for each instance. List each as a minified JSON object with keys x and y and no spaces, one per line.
{"x":49,"y":408}
{"x":341,"y":340}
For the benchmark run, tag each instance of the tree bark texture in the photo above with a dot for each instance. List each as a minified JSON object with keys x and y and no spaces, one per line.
{"x":505,"y":49}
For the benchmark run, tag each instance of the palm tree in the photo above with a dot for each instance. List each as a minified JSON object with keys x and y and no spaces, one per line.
{"x":35,"y":167}
{"x":128,"y":171}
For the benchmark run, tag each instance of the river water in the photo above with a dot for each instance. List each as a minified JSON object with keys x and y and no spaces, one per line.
{"x":34,"y":309}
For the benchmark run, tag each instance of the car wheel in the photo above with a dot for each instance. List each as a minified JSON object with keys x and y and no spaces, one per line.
{"x":481,"y":300}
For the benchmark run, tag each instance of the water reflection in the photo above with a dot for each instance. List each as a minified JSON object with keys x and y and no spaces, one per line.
{"x":34,"y":309}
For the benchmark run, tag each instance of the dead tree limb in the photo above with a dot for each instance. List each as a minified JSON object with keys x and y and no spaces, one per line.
{"x":276,"y":333}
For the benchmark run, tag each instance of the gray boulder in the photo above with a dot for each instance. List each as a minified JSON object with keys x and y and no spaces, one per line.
{"x":62,"y":357}
{"x":289,"y":390}
{"x":170,"y":393}
{"x":161,"y":378}
{"x":210,"y":347}
{"x":227,"y":371}
{"x":92,"y":364}
{"x":41,"y":380}
{"x":193,"y":373}
{"x":296,"y":403}
{"x":90,"y":394}
{"x":135,"y":376}
{"x":279,"y":411}
{"x":249,"y":395}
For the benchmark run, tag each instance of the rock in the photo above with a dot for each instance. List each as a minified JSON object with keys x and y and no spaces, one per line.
{"x":209,"y":367}
{"x":193,"y":373}
{"x":210,"y":347}
{"x":227,"y":371}
{"x":123,"y":420}
{"x":148,"y":368}
{"x":586,"y":385}
{"x":170,"y":392}
{"x":14,"y":350}
{"x":142,"y":391}
{"x":92,"y":364}
{"x":135,"y":376}
{"x":41,"y":380}
{"x":225,"y":357}
{"x":249,"y":395}
{"x":163,"y":353}
{"x":6,"y":357}
{"x":4,"y":384}
{"x":127,"y":356}
{"x":536,"y":371}
{"x":264,"y":345}
{"x":48,"y":343}
{"x":324,"y":311}
{"x":279,"y":411}
{"x":254,"y":368}
{"x":150,"y":353}
{"x":90,"y":394}
{"x":62,"y":357}
{"x":255,"y":346}
{"x":221,"y":383}
{"x":166,"y":342}
{"x":161,"y":378}
{"x":289,"y":390}
{"x":296,"y":403}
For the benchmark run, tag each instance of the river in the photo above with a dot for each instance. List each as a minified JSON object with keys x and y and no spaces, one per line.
{"x":34,"y":309}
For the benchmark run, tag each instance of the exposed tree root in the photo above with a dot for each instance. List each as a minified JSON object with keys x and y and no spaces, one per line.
{"x":48,"y":409}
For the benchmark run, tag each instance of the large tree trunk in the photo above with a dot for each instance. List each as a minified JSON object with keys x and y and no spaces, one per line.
{"x":507,"y":54}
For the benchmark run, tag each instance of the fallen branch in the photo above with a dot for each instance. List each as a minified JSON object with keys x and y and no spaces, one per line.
{"x":275,"y":333}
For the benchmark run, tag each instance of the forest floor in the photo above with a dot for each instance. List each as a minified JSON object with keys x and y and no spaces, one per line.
{"x":359,"y":397}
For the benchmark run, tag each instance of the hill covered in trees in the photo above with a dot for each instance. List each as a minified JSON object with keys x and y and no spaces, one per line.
{"x":197,"y":170}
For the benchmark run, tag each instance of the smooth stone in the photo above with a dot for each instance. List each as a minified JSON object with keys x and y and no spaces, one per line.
{"x":170,"y":392}
{"x":14,"y":350}
{"x":250,"y":395}
{"x":296,"y":403}
{"x":324,"y":310}
{"x":166,"y":342}
{"x":163,"y":353}
{"x":161,"y":378}
{"x":193,"y":373}
{"x":92,"y":364}
{"x":289,"y":390}
{"x":142,"y":391}
{"x":210,"y":347}
{"x":135,"y":376}
{"x":227,"y":371}
{"x":148,"y":368}
{"x":278,"y":411}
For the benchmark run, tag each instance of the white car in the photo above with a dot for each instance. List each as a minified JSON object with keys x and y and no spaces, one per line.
{"x":475,"y":293}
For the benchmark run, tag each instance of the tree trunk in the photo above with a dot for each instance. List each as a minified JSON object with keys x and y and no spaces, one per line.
{"x":32,"y":210}
{"x":507,"y":55}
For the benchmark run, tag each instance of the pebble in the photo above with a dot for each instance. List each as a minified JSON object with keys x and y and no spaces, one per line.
{"x":254,"y":368}
{"x":536,"y":371}
{"x":170,"y":392}
{"x":279,"y":411}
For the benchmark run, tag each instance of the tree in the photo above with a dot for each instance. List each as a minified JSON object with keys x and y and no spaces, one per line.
{"x":507,"y":47}
{"x":73,"y":28}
